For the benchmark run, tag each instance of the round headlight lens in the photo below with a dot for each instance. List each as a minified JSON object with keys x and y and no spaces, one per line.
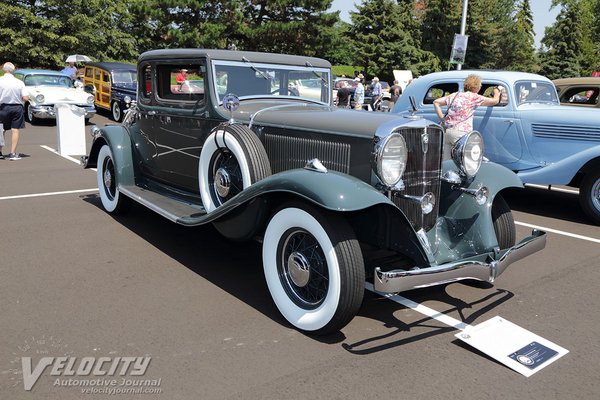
{"x":127,"y":99}
{"x":90,"y":99}
{"x":468,"y":153}
{"x":39,"y":98}
{"x":391,"y":159}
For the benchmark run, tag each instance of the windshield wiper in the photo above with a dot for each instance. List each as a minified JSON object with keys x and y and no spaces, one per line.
{"x":256,"y":69}
{"x":307,"y":64}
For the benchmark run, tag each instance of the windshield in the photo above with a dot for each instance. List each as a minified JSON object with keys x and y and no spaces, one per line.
{"x":124,"y":77}
{"x":48,"y":80}
{"x":246,"y":79}
{"x":535,"y":92}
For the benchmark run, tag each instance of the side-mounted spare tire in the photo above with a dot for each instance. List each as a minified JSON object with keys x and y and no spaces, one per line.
{"x":232,"y":158}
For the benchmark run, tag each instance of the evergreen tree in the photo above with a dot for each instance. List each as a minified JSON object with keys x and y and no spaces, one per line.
{"x":521,"y":41}
{"x":382,"y":30}
{"x":441,"y":20}
{"x":563,"y":41}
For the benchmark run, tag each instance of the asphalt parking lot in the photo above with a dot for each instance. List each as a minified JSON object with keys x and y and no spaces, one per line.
{"x":79,"y":283}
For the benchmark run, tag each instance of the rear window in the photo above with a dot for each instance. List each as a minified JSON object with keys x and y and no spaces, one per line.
{"x":184,"y":82}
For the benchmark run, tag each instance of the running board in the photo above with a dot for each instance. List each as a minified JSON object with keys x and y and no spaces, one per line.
{"x":176,"y":210}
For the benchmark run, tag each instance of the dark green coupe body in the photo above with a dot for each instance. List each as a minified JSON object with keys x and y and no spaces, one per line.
{"x":250,"y":143}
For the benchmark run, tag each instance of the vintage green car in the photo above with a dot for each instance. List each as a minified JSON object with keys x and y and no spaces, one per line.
{"x":337,"y":197}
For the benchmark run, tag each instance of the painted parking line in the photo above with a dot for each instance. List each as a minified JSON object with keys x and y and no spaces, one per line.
{"x":556,"y":231}
{"x":73,"y":159}
{"x":24,"y":196}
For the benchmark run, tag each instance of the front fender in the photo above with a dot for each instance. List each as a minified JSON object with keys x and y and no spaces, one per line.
{"x":118,"y":139}
{"x":563,"y":171}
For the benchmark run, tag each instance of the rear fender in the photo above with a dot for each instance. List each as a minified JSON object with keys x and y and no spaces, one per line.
{"x":117,"y":138}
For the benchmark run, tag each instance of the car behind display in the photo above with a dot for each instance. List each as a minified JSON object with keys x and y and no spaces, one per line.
{"x":528,"y":132}
{"x":113,"y":86}
{"x":335,"y":196}
{"x":47,"y":88}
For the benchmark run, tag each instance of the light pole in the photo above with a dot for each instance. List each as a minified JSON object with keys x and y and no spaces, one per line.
{"x":463,"y":24}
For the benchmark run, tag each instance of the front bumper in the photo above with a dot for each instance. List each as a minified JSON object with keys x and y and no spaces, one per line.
{"x":48,"y":111}
{"x":485,"y":267}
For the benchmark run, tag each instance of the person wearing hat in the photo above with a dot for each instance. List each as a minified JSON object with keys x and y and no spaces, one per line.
{"x":181,"y":76}
{"x":359,"y":93}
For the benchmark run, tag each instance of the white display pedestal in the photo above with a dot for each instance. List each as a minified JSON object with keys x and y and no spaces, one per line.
{"x":70,"y":129}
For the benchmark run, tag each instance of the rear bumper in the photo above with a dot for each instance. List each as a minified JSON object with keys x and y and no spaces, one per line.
{"x":487,"y":268}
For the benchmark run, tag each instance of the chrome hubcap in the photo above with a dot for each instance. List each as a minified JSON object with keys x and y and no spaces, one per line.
{"x":107,"y":176}
{"x":299,"y":269}
{"x":222,"y":182}
{"x":596,"y":194}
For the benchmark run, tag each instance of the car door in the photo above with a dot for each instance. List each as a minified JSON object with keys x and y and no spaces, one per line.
{"x":499,"y":126}
{"x":179,"y":123}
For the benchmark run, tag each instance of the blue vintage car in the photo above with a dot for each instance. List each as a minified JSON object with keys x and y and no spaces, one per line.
{"x":529,"y":132}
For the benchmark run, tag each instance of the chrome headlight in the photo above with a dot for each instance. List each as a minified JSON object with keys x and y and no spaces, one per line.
{"x":390,"y":159}
{"x":90,"y":99}
{"x":127,"y":99}
{"x":467,"y":153}
{"x":39,"y":98}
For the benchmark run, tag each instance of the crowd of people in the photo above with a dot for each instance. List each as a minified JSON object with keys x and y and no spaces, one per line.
{"x":345,"y":98}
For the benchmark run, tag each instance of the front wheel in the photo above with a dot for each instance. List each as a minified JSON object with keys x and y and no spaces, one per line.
{"x":112,"y":200}
{"x":29,"y":114}
{"x":116,"y":111}
{"x":314,"y":268}
{"x":504,"y":223}
{"x":589,"y":196}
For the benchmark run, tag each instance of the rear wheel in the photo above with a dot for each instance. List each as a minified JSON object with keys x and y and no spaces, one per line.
{"x":314,"y":268}
{"x":504,"y":223}
{"x":112,"y":200}
{"x":589,"y":196}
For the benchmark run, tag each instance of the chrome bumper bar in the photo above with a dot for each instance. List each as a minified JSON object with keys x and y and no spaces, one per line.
{"x":488,"y":270}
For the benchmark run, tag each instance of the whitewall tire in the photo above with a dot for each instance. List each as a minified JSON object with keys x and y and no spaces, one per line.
{"x":112,"y":200}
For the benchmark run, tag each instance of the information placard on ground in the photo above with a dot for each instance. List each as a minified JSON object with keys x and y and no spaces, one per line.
{"x":513,"y":346}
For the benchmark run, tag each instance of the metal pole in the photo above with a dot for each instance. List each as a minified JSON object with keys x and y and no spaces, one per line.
{"x":463,"y":24}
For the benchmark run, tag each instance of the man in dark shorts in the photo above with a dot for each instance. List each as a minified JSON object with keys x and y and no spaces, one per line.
{"x":12,"y":97}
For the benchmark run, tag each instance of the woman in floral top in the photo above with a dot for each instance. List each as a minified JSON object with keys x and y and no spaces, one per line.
{"x":461,"y":107}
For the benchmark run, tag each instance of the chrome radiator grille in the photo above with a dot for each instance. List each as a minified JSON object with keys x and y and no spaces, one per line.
{"x":423,"y":172}
{"x":292,"y":152}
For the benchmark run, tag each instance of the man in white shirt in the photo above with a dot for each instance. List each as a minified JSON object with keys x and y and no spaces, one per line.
{"x":12,"y":98}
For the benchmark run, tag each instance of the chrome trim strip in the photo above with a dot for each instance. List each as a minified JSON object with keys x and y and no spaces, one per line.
{"x":400,"y":280}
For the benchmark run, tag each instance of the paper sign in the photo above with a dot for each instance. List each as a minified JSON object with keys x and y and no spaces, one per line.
{"x":513,"y":346}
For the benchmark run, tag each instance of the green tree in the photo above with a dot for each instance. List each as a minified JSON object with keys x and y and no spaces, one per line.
{"x":521,"y":41}
{"x":441,"y":20}
{"x":383,"y":40}
{"x":563,"y":41}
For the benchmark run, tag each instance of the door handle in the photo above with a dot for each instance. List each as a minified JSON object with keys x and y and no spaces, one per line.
{"x":510,"y":121}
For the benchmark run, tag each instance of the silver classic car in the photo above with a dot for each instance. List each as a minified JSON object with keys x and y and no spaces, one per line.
{"x":529,"y":131}
{"x":47,"y":88}
{"x":336,"y":197}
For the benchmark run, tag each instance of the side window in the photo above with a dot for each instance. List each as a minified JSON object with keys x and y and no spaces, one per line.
{"x":487,"y":90}
{"x":439,"y":90}
{"x":88,"y":72}
{"x":181,"y":82}
{"x":580,"y":95}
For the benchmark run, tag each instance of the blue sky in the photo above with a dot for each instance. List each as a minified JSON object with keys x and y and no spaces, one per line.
{"x":542,"y":15}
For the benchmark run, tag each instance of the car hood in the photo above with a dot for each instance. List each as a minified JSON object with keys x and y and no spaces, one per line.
{"x":314,"y":117}
{"x":54,"y":94}
{"x":129,"y":88}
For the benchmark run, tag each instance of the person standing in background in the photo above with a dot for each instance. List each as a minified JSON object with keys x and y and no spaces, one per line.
{"x":359,"y":93}
{"x":395,"y":93}
{"x":12,"y":98}
{"x":70,"y":70}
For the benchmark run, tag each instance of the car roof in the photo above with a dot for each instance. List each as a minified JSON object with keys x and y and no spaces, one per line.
{"x":112,"y":66}
{"x":508,"y":76}
{"x":40,"y":71}
{"x":582,"y":80}
{"x":231,"y":55}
